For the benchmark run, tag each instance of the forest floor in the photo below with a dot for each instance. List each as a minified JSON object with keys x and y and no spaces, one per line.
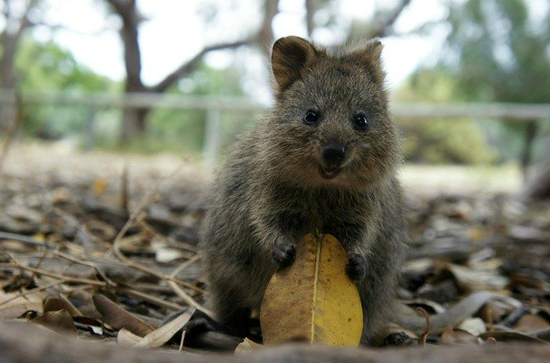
{"x":76,"y":227}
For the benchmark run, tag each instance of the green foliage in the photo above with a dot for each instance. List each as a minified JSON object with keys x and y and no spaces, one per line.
{"x":47,"y":68}
{"x":440,"y":141}
{"x":187,"y":128}
{"x":498,"y":52}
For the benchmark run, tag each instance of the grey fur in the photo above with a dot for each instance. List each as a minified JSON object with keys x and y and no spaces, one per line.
{"x":270,"y":192}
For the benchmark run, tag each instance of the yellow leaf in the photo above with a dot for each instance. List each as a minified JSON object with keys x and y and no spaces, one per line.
{"x":99,"y":186}
{"x":313,"y":300}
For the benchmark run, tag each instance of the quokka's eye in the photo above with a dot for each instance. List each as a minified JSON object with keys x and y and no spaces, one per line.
{"x":311,"y":117}
{"x":360,"y":122}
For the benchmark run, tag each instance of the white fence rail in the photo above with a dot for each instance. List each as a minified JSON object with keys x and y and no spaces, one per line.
{"x":214,"y":106}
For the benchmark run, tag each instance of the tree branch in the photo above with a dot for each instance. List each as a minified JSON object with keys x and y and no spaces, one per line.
{"x":384,"y":27}
{"x":310,"y":11}
{"x":383,"y":22}
{"x":187,"y":66}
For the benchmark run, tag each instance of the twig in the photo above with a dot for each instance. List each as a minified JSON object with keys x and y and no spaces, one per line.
{"x":124,"y":190}
{"x":150,"y":298}
{"x":169,"y":241}
{"x":38,"y":266}
{"x":57,"y":276}
{"x":74,"y":222}
{"x":424,"y":335}
{"x":490,"y":322}
{"x":181,"y":341}
{"x":30,"y":292}
{"x":188,"y":299}
{"x":116,"y":248}
{"x":184,"y":265}
{"x":180,"y":292}
{"x":85,"y":263}
{"x":12,"y":131}
{"x":5,"y":236}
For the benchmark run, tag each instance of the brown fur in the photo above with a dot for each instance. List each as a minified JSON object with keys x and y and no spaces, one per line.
{"x":270,"y":192}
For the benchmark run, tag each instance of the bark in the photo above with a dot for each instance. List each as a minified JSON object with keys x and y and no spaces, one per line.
{"x":539,"y":186}
{"x":25,"y":342}
{"x":310,"y":12}
{"x":381,"y":25}
{"x":265,"y":35}
{"x":526,"y":157}
{"x":134,"y":121}
{"x":10,"y":39}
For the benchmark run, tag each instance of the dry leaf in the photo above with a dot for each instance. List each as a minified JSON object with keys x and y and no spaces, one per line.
{"x":99,"y":186}
{"x":126,"y":338}
{"x":478,"y":279}
{"x":55,"y":304}
{"x":530,"y":323}
{"x":13,"y":306}
{"x":158,"y":337}
{"x":59,"y":321}
{"x":118,"y":318}
{"x":474,"y":326}
{"x":510,"y":336}
{"x":457,"y":336}
{"x":313,"y":300}
{"x":247,"y":345}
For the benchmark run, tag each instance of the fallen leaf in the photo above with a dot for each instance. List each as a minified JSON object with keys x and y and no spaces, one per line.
{"x":478,"y":279}
{"x":510,"y":336}
{"x":165,"y":254}
{"x":158,"y":337}
{"x":118,"y":318}
{"x":530,"y":323}
{"x":13,"y":306}
{"x":247,"y":345}
{"x":59,"y":321}
{"x":474,"y":326}
{"x":126,"y":338}
{"x":99,"y":186}
{"x":54,"y":304}
{"x":313,"y":300}
{"x":451,"y":317}
{"x":457,"y":336}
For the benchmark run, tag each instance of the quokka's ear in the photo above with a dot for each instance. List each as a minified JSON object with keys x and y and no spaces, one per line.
{"x":370,"y":55}
{"x":290,"y":58}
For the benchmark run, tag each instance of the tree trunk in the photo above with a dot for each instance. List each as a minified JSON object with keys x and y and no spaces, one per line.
{"x":134,"y":121}
{"x":133,"y":124}
{"x":7,"y":78}
{"x":310,"y":12}
{"x":266,"y":37}
{"x":539,"y":186}
{"x":526,"y":157}
{"x":10,"y":40}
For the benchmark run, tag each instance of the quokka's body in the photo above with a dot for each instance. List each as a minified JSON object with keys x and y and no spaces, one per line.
{"x":323,"y":161}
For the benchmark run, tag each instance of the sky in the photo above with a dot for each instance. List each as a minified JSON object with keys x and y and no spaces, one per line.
{"x":174,"y":31}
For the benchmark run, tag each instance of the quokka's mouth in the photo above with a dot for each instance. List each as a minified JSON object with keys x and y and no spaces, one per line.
{"x":329,"y":172}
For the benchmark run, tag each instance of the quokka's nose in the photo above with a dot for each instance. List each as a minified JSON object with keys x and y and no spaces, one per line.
{"x":334,"y":153}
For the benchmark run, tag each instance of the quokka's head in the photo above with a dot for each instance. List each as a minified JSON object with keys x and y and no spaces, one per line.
{"x":330,"y":125}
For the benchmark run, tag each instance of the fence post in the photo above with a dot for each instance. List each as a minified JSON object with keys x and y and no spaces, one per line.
{"x":211,"y":137}
{"x":531,"y":130}
{"x":89,"y":132}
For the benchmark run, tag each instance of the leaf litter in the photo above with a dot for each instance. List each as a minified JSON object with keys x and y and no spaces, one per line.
{"x":113,"y":256}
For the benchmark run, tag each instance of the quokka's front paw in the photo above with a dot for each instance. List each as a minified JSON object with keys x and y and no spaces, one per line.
{"x":357,"y":267}
{"x":284,"y":254}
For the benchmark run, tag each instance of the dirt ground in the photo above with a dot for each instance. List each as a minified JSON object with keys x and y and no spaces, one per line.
{"x":65,"y":161}
{"x":77,"y":227}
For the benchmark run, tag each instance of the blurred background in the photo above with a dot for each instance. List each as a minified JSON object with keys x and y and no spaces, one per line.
{"x":469,"y":79}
